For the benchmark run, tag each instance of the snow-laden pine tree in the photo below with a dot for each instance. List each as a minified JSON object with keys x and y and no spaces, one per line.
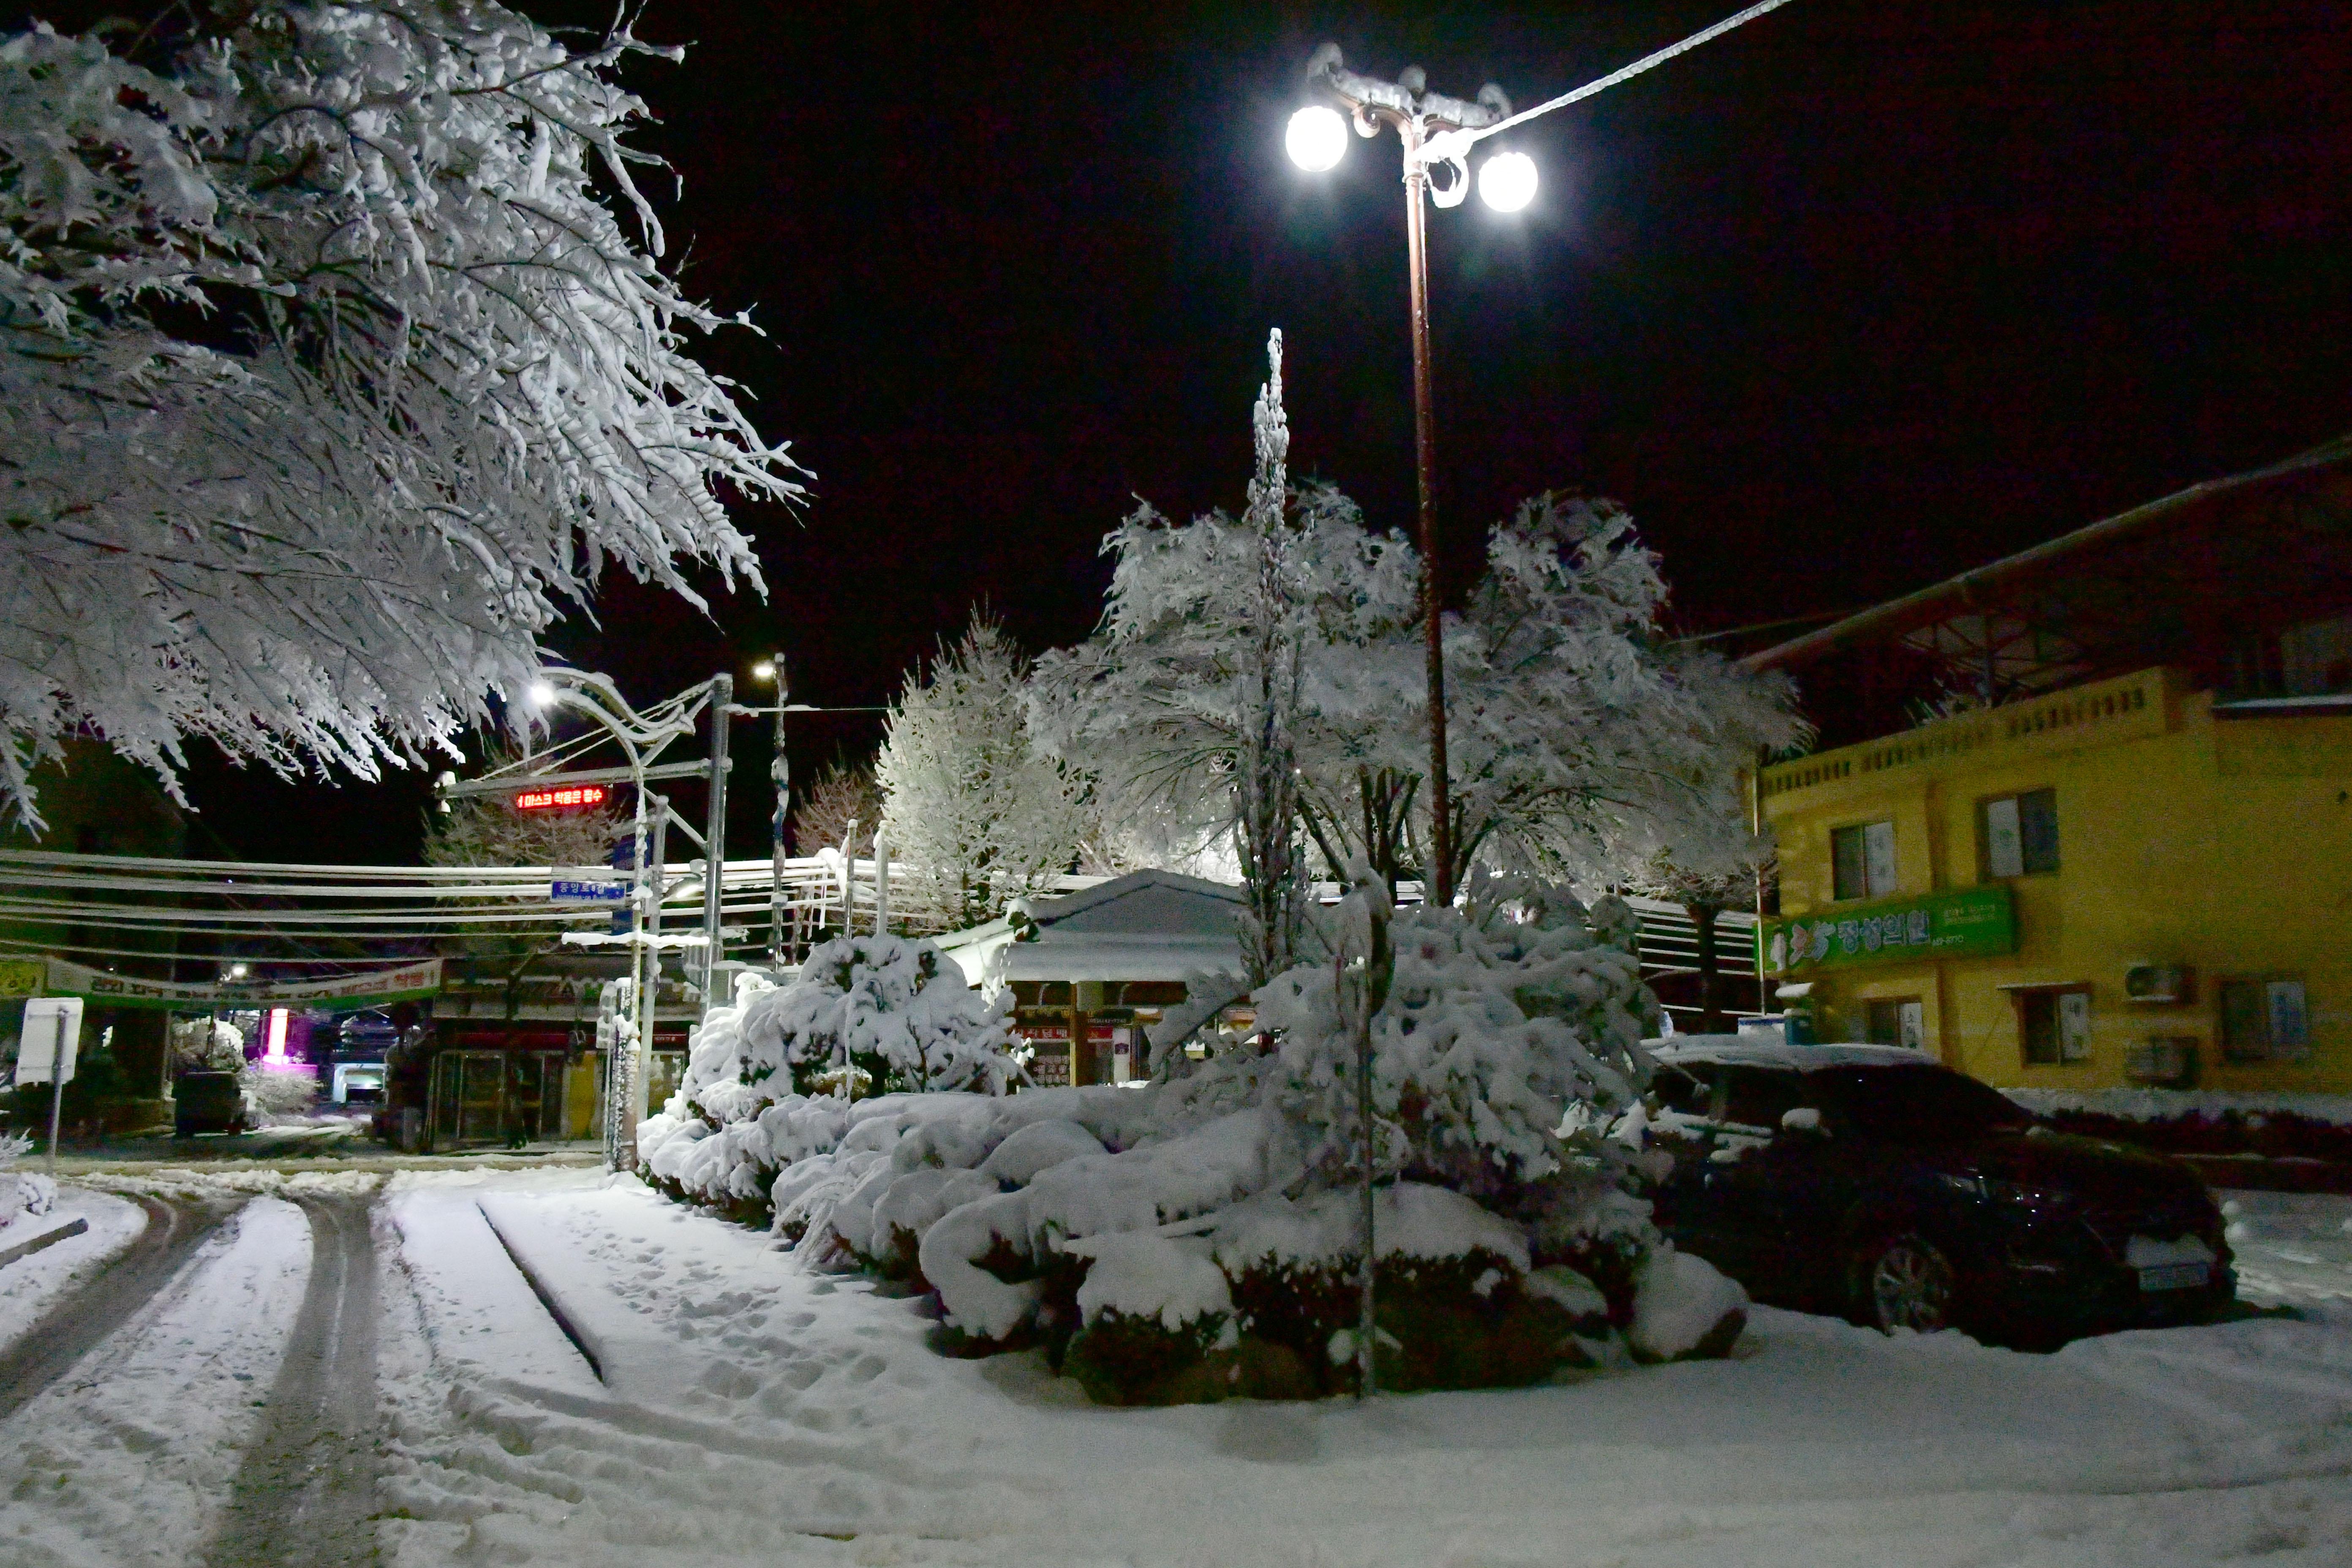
{"x":1226,"y":642}
{"x":974,"y":813}
{"x":336,"y":356}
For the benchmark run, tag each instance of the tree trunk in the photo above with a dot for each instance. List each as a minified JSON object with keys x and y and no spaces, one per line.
{"x":1711,"y":1019}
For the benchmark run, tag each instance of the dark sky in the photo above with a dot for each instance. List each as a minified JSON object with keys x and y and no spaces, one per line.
{"x":1855,"y":297}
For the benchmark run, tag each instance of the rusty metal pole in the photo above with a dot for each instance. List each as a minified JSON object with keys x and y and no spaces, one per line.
{"x":1438,"y":876}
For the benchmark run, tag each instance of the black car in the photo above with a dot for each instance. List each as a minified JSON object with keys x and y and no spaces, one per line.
{"x":1871,"y":1181}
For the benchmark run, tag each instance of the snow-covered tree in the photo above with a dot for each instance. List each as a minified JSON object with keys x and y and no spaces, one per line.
{"x":1584,"y":746}
{"x":840,"y":811}
{"x":1226,"y":643}
{"x":975,"y":814}
{"x":337,"y":357}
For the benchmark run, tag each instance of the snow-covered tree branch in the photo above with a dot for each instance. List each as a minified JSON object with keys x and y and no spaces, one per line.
{"x":337,"y":357}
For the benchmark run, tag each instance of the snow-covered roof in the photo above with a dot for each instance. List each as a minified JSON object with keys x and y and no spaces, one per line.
{"x":1756,"y":1050}
{"x":1146,"y":925}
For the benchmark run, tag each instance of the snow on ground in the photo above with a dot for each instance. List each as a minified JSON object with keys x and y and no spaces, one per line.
{"x":2294,"y":1249}
{"x":30,"y":1286}
{"x":756,"y":1411}
{"x":126,"y":1459}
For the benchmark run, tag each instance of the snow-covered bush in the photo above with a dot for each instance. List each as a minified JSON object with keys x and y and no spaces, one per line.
{"x":894,"y":1010}
{"x":21,"y":1193}
{"x":208,"y":1044}
{"x":1201,"y":1238}
{"x":280,"y":1091}
{"x":896,"y":1007}
{"x":1502,"y":1016}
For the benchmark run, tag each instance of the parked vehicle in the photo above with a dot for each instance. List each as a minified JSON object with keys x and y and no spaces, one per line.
{"x":208,"y":1102}
{"x":1872,"y":1182}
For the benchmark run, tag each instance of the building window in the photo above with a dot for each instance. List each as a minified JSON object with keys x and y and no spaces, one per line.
{"x":2017,"y":834}
{"x":2054,"y":1023}
{"x":2264,"y":1019}
{"x":1895,"y":1021}
{"x":1861,"y":860}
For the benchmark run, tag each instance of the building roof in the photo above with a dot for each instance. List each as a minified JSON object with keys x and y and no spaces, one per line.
{"x":1146,"y":925}
{"x":2150,"y":585}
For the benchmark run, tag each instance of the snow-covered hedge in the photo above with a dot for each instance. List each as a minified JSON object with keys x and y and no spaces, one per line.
{"x":1200,"y":1236}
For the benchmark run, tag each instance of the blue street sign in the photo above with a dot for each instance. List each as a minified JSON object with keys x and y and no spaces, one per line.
{"x":569,"y":890}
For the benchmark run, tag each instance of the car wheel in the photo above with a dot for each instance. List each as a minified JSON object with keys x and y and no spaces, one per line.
{"x":1905,"y":1282}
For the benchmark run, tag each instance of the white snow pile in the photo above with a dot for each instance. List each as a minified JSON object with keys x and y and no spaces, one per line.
{"x":1209,"y":1225}
{"x":21,"y":1193}
{"x":2179,"y":1104}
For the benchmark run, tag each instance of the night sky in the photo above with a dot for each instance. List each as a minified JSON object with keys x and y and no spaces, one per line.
{"x":1852,"y":298}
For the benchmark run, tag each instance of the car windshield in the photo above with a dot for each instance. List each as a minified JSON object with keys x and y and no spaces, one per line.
{"x":1917,"y":1105}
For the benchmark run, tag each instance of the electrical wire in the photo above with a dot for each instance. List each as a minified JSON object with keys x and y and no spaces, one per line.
{"x":1461,"y":141}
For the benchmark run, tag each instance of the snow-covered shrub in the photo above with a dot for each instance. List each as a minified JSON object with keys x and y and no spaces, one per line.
{"x":1201,"y":1238}
{"x":1151,"y":1310}
{"x":287,"y":1090}
{"x":1684,"y":1306}
{"x":208,"y":1044}
{"x":894,"y":1007}
{"x":1502,"y":1016}
{"x":21,"y":1193}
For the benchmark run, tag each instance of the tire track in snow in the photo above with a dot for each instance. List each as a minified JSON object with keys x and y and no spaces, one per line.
{"x":305,"y":1491}
{"x":70,"y":1329}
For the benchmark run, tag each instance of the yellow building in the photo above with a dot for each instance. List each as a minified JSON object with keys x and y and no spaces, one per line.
{"x":2133,"y":864}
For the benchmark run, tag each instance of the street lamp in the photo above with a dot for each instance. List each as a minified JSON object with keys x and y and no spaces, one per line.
{"x":780,"y":774}
{"x":596,"y":698}
{"x":1317,"y":140}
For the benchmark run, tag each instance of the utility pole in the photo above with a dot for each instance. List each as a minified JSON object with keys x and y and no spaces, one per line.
{"x":714,"y":840}
{"x":779,"y":774}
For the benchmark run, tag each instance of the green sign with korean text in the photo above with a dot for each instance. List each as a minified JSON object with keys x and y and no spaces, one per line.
{"x":1964,"y":922}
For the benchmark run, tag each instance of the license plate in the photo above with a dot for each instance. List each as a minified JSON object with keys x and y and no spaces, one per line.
{"x":2175,"y":1276}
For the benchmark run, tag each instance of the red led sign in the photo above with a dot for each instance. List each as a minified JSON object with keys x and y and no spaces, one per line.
{"x":558,"y":799}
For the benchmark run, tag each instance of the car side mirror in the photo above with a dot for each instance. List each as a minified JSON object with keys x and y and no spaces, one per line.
{"x":1804,"y":1119}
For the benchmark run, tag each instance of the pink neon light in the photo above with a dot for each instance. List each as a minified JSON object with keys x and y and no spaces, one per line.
{"x":274,"y":1037}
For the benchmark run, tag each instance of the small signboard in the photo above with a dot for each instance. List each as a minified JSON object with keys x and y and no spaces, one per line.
{"x":561,"y":797}
{"x":51,"y":1041}
{"x":587,"y":890}
{"x":1962,"y":922}
{"x":23,"y":977}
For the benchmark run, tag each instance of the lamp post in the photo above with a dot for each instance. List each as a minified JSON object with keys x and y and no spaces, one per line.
{"x":772,"y":669}
{"x":596,"y":698}
{"x":780,"y":774}
{"x":1317,"y":140}
{"x":1438,"y":133}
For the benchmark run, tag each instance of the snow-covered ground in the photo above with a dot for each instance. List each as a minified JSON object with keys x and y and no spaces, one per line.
{"x":753,"y":1411}
{"x":126,"y":1459}
{"x":32,"y":1285}
{"x":756,"y":1411}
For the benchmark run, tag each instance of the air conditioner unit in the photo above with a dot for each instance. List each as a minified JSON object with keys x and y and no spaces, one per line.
{"x":2168,"y":1063}
{"x":2159,"y":983}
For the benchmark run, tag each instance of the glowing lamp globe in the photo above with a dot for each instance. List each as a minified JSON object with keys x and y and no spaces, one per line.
{"x":1317,"y":138}
{"x":1506,"y":181}
{"x":541,"y":693}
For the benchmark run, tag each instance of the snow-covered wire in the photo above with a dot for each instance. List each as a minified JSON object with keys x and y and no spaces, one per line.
{"x":1456,"y":142}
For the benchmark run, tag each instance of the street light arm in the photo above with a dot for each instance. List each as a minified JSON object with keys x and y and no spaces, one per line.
{"x":1399,"y":102}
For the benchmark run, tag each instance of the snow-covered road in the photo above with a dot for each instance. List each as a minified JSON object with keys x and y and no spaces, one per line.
{"x":753,"y":1412}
